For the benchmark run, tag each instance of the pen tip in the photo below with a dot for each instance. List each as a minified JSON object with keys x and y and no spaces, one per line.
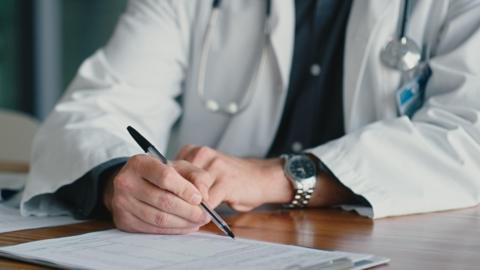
{"x":231,"y":234}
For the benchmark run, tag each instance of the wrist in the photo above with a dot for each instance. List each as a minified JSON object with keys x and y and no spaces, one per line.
{"x":276,"y":186}
{"x":108,"y":189}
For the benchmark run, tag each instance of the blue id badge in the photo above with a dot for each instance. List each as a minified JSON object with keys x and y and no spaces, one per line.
{"x":410,"y":96}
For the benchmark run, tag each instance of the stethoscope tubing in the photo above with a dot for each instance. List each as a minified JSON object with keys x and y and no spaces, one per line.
{"x":404,"y":19}
{"x":233,"y":107}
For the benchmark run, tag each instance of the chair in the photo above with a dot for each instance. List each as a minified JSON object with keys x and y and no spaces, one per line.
{"x":16,"y":135}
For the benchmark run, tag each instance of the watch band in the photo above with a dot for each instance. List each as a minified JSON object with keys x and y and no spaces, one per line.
{"x":303,"y":191}
{"x":301,"y":198}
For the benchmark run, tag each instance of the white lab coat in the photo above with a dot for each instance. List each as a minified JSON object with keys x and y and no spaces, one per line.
{"x":400,"y":165}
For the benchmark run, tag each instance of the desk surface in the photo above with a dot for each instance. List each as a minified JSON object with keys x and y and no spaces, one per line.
{"x":445,"y":240}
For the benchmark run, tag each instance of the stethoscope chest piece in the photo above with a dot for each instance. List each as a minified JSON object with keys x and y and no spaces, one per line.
{"x":401,"y":54}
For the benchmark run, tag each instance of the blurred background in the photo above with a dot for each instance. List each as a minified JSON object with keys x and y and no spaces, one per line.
{"x":42,"y":44}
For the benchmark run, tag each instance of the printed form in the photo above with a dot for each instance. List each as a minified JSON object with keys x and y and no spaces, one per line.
{"x":113,"y":249}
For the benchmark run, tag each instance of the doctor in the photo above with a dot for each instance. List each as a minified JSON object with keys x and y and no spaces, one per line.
{"x":302,"y":103}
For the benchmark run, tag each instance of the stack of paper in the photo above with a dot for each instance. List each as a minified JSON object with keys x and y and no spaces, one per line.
{"x":117,"y":250}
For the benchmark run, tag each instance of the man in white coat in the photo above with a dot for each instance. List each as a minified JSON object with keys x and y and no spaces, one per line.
{"x":321,"y":95}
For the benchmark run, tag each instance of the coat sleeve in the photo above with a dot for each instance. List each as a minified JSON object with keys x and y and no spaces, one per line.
{"x":132,"y":80}
{"x":432,"y":161}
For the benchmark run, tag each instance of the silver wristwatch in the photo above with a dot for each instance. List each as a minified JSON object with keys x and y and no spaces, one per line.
{"x":301,"y":170}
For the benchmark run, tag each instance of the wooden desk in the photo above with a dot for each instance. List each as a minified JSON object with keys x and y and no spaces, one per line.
{"x":6,"y":166}
{"x":446,"y":240}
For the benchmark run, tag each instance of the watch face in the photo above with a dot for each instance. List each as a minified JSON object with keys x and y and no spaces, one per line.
{"x":301,"y":167}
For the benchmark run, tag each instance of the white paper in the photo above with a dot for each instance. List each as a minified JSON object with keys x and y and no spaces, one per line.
{"x":117,"y":250}
{"x":11,"y":220}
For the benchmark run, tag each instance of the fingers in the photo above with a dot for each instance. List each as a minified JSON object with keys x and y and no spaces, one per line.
{"x":159,"y":218}
{"x":130,"y":223}
{"x":199,"y":156}
{"x":166,"y":177}
{"x":201,"y":179}
{"x":165,"y":201}
{"x":208,"y":160}
{"x":185,"y":151}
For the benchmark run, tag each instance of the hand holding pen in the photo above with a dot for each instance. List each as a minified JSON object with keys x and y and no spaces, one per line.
{"x":146,"y":195}
{"x":151,"y":150}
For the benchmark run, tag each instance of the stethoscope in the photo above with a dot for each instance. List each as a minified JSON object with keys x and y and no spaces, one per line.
{"x":402,"y":54}
{"x":235,"y":106}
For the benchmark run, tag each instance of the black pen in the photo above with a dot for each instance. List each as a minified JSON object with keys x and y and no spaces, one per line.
{"x":150,"y":149}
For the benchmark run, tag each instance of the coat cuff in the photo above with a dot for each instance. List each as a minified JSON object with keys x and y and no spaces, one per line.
{"x":84,"y":196}
{"x":344,"y":167}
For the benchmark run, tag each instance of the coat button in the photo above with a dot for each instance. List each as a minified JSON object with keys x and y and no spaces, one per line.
{"x":315,"y":69}
{"x":297,"y":147}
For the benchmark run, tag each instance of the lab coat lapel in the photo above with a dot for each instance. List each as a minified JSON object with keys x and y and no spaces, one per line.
{"x":282,"y":37}
{"x":365,"y":18}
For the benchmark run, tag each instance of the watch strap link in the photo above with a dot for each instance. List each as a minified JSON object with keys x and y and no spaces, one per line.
{"x":301,"y":198}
